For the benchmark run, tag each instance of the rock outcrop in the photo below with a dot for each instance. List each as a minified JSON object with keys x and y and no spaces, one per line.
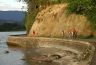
{"x":53,"y":21}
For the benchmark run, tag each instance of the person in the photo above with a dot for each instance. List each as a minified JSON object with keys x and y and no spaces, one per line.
{"x":72,"y":33}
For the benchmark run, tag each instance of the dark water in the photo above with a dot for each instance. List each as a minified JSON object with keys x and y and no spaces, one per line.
{"x":10,"y":55}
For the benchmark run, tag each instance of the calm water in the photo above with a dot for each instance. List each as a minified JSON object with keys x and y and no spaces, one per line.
{"x":16,"y":56}
{"x":34,"y":56}
{"x":10,"y":55}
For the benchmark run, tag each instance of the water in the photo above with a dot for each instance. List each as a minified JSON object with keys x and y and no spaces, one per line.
{"x":40,"y":54}
{"x":14,"y":55}
{"x":59,"y":52}
{"x":10,"y":55}
{"x":52,"y":56}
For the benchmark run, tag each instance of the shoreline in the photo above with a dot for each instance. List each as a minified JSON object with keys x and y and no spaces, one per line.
{"x":28,"y":42}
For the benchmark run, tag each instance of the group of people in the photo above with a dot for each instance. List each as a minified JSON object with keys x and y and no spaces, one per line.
{"x":72,"y":33}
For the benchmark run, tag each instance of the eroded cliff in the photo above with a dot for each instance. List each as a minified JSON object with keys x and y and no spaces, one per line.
{"x":53,"y":21}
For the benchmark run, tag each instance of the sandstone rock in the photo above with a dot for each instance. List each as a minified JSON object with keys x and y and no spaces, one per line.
{"x":55,"y":22}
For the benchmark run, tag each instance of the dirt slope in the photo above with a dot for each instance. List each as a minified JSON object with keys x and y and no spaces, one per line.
{"x":54,"y":22}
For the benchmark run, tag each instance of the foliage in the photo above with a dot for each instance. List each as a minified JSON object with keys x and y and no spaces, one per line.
{"x":84,"y":7}
{"x":11,"y":27}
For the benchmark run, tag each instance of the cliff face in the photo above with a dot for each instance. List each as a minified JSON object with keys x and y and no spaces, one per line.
{"x":53,"y":21}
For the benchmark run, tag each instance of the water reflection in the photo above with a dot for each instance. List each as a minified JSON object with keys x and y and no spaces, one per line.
{"x":51,"y":56}
{"x":59,"y":52}
{"x":39,"y":53}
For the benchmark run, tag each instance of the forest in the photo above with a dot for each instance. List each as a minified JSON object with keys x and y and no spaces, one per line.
{"x":11,"y":27}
